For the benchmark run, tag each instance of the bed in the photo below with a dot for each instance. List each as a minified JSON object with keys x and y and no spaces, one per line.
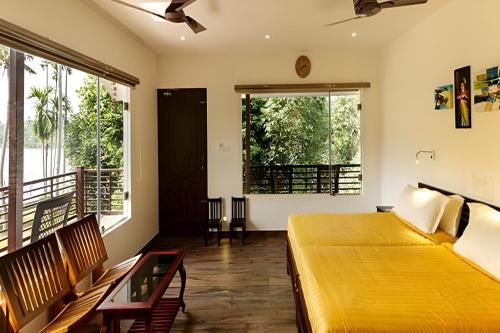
{"x":449,"y":295}
{"x":358,"y":229}
{"x":367,"y":235}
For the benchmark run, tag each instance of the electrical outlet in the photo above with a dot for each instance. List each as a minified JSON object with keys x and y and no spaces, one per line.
{"x":482,"y":186}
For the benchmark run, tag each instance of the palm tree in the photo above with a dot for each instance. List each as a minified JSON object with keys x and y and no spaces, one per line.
{"x":4,"y":68}
{"x":44,"y":123}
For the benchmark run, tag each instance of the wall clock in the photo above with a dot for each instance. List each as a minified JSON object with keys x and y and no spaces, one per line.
{"x":303,"y":66}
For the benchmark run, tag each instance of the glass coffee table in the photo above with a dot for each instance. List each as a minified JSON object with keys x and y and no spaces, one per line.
{"x":139,"y":295}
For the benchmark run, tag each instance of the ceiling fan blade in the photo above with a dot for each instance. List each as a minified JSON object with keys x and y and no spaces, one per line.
{"x":401,"y":3}
{"x":351,"y":19}
{"x":138,"y":8}
{"x":181,"y":4}
{"x":194,"y":25}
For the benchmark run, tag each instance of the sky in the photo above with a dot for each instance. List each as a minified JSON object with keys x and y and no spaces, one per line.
{"x":75,"y":80}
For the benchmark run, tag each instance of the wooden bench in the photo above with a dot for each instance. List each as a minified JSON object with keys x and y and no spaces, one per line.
{"x":84,"y":253}
{"x":33,"y":278}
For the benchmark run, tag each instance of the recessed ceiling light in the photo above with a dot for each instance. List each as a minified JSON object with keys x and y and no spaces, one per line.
{"x":268,"y":36}
{"x":354,"y":34}
{"x":183,"y":38}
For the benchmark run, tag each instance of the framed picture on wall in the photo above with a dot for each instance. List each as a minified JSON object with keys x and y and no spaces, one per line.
{"x":463,"y":98}
{"x":443,"y":97}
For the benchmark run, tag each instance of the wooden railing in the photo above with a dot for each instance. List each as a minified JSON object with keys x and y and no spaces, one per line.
{"x":82,"y":181}
{"x":298,"y":179}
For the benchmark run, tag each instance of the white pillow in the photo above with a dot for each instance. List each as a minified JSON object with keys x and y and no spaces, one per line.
{"x":422,"y":208}
{"x":480,"y":242}
{"x":451,"y":217}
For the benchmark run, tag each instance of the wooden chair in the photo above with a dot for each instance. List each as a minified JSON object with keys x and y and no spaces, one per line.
{"x":32,"y":279}
{"x":214,"y":218}
{"x":238,"y":219}
{"x":84,"y":253}
{"x":50,"y":215}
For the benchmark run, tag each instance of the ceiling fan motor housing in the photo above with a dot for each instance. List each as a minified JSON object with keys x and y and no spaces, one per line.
{"x":366,"y":7}
{"x":176,"y":17}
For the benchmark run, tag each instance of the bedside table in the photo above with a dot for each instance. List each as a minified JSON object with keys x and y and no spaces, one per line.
{"x":384,"y":209}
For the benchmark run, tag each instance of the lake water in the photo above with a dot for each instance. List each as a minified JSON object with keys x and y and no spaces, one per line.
{"x":33,"y":167}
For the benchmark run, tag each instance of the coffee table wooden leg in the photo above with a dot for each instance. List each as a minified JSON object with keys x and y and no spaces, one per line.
{"x":106,"y":324}
{"x":149,"y":325}
{"x":116,"y":326}
{"x":182,"y":272}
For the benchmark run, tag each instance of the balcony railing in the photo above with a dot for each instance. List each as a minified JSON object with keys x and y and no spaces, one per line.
{"x":300,"y":179}
{"x":82,"y":181}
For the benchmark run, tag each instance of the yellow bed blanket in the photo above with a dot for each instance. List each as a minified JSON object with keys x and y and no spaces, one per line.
{"x":357,"y":229}
{"x":396,"y":289}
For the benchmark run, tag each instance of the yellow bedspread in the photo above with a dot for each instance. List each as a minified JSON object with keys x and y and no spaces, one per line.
{"x":357,"y":229}
{"x":396,"y":289}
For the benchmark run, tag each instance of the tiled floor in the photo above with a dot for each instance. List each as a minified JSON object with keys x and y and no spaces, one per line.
{"x":235,"y":288}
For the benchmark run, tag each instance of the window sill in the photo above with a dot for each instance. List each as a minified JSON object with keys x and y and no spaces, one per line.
{"x":115,"y":225}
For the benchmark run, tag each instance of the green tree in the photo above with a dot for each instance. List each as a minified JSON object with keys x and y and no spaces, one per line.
{"x":346,"y":130}
{"x":80,"y":142}
{"x":259,"y":142}
{"x":294,"y":130}
{"x":297,"y":128}
{"x":44,"y":123}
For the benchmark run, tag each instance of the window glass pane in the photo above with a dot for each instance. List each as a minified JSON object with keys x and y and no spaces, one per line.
{"x":54,"y":96}
{"x":4,"y":161}
{"x":288,"y":143}
{"x":346,"y":143}
{"x":74,"y":161}
{"x":113,"y":130}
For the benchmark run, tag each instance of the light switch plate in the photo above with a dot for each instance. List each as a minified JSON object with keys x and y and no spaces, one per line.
{"x":482,"y":186}
{"x":223,"y":147}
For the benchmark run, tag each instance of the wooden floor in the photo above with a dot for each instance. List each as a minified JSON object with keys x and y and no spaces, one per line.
{"x":234,"y":288}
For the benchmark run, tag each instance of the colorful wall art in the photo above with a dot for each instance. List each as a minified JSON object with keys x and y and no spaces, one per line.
{"x":487,"y":90}
{"x":443,"y":97}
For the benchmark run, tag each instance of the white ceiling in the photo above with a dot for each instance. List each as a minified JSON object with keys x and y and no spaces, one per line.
{"x":241,"y":25}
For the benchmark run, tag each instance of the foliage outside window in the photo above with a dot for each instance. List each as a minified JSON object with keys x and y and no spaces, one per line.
{"x":61,"y":138}
{"x":303,"y":143}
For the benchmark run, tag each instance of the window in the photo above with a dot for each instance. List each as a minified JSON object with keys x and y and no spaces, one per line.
{"x":302,"y":143}
{"x":75,"y":128}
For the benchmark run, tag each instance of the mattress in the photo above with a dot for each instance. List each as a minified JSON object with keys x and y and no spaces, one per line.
{"x":397,"y":289}
{"x":357,"y":229}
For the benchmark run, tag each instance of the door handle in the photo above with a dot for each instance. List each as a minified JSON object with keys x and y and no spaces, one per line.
{"x":203,"y":201}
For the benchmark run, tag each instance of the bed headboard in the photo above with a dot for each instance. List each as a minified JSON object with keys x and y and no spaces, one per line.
{"x":464,"y":218}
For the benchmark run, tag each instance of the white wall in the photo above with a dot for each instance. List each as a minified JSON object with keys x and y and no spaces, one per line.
{"x":219,"y":74}
{"x":458,"y":34}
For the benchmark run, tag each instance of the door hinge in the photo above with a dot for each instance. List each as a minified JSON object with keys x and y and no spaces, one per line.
{"x":360,"y":107}
{"x":125,"y":106}
{"x":126,"y":195}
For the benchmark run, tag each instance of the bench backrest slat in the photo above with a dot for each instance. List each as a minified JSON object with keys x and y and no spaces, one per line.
{"x":32,"y":279}
{"x":83,"y":248}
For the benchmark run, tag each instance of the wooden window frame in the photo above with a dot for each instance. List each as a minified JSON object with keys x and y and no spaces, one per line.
{"x":24,"y":40}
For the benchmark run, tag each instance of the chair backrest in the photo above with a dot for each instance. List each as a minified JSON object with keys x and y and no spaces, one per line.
{"x":238,"y":210}
{"x":32,"y":279}
{"x":214,"y":208}
{"x":50,"y":215}
{"x":82,"y":247}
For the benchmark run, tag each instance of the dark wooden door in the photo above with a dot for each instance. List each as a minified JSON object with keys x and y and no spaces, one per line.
{"x":182,"y":159}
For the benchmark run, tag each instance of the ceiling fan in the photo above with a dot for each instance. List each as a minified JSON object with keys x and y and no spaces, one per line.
{"x":367,"y":8}
{"x":174,"y":13}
